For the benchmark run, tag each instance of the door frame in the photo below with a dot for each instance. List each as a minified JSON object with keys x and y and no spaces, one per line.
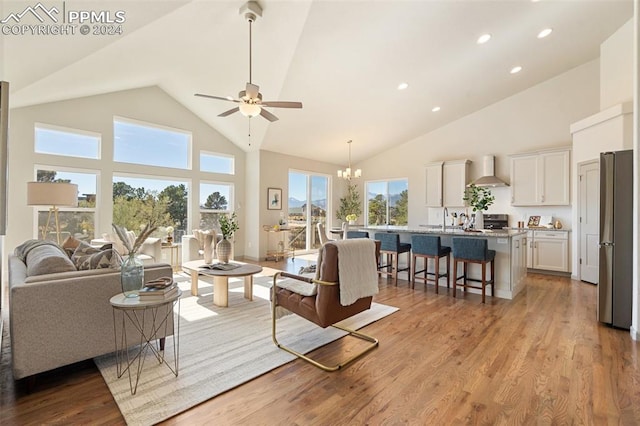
{"x":581,"y":164}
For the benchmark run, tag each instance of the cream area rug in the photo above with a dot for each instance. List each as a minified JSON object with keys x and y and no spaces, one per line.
{"x":219,"y":349}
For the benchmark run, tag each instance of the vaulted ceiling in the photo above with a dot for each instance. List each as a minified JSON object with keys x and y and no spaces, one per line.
{"x":342,"y":59}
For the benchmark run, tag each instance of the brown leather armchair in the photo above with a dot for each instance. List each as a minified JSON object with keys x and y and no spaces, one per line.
{"x":322,"y":308}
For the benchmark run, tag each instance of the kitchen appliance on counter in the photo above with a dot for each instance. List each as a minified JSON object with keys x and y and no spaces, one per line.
{"x":615,"y":290}
{"x":496,"y":221}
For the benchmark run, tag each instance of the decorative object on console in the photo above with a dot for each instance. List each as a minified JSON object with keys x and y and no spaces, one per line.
{"x":479,"y":198}
{"x":169,"y":234}
{"x":228,"y":226}
{"x":54,"y":195}
{"x":208,"y":248}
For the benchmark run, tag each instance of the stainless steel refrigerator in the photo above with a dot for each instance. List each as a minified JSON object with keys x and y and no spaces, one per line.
{"x":616,"y":243}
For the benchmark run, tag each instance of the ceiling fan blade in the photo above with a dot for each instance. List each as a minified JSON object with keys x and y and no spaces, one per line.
{"x":252,"y":90}
{"x":282,"y":104}
{"x":231,"y":111}
{"x":266,"y":114}
{"x":216,"y":97}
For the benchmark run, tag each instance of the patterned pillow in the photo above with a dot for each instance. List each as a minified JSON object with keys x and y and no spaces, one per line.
{"x":87,"y":257}
{"x":70,"y":244}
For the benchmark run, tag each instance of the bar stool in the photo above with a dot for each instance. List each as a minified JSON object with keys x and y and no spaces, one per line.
{"x":391,"y":246}
{"x":357,"y":234}
{"x":428,"y":247}
{"x":473,"y":250}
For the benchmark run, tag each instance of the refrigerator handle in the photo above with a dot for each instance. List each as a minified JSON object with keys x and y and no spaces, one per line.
{"x":607,"y":244}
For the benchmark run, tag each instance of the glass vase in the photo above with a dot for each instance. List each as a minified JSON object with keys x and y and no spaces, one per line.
{"x":132,"y":275}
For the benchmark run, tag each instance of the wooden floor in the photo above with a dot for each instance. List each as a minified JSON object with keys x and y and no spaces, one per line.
{"x":539,"y":359}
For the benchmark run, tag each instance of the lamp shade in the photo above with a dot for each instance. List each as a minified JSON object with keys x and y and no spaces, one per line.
{"x":52,"y":194}
{"x":249,"y":110}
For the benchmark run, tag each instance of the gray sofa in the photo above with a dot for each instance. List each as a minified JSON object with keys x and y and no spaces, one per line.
{"x":65,"y":317}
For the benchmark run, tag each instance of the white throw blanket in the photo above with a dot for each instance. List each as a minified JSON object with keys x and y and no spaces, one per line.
{"x":357,"y":270}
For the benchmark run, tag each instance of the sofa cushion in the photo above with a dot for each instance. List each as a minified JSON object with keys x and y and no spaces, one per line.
{"x":70,"y":244}
{"x":44,"y":257}
{"x":87,"y":257}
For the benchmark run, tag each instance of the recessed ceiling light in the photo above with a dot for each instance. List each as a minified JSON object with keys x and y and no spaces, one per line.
{"x":484,"y":38}
{"x":435,"y":109}
{"x":516,"y":70}
{"x":402,"y":86}
{"x":544,"y":33}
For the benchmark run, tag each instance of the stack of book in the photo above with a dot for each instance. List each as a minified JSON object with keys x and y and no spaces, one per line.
{"x":160,"y":289}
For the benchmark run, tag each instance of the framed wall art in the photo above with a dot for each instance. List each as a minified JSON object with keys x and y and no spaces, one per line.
{"x":274,"y":198}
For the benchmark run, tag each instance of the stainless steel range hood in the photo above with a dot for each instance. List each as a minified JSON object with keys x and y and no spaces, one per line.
{"x":489,"y":178}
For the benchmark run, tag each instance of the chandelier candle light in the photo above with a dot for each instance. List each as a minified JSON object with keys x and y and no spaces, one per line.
{"x":347,"y":174}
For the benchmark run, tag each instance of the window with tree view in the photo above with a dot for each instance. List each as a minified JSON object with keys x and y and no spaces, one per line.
{"x":140,"y":200}
{"x":76,"y":221}
{"x":215,"y":199}
{"x":387,"y":202}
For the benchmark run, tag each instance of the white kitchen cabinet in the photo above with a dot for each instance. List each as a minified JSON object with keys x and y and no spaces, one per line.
{"x":541,"y":178}
{"x":551,"y":251}
{"x":433,"y":184}
{"x":445,"y":183}
{"x":455,"y":175}
{"x":529,"y":249}
{"x":518,"y":262}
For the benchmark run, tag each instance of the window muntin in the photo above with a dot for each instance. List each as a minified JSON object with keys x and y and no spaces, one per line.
{"x":67,"y":142}
{"x":217,"y":163}
{"x":151,"y":145}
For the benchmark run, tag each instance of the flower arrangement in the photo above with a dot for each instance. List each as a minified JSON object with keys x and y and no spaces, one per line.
{"x":228,"y":225}
{"x":133,"y":247}
{"x":479,"y":198}
{"x":351,"y":217}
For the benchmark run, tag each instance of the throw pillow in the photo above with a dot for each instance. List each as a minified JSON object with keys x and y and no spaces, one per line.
{"x":47,"y":259}
{"x":104,"y":259}
{"x":70,"y":244}
{"x":117,"y":244}
{"x":88,"y":257}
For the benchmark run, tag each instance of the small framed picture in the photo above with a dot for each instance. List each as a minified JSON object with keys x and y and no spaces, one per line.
{"x":274,"y":198}
{"x":533,"y":221}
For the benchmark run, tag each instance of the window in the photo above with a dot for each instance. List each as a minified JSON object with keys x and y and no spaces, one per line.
{"x":137,"y":199}
{"x":77,"y":221}
{"x":141,"y":143}
{"x":308,"y":195}
{"x":387,"y":202}
{"x":215,"y":199}
{"x":217,"y":163}
{"x":68,"y":142}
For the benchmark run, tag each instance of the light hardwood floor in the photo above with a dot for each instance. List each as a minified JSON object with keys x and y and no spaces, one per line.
{"x":539,"y":359}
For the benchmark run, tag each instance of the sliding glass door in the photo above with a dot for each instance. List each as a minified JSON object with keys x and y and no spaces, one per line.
{"x":308,"y":205}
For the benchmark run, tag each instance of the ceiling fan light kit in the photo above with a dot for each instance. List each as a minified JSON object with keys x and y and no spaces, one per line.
{"x":250,"y":99}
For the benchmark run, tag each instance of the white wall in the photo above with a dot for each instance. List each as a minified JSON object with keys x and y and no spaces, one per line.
{"x":274,"y":173}
{"x":96,"y":114}
{"x":616,"y":67}
{"x":536,"y":118}
{"x":252,"y":206}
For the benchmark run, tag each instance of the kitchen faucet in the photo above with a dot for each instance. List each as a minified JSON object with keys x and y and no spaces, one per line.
{"x":445,"y":214}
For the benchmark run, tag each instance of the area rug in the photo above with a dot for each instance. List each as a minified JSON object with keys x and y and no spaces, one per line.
{"x":219,"y":349}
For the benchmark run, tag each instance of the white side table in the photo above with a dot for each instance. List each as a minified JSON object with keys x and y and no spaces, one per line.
{"x":149,"y":318}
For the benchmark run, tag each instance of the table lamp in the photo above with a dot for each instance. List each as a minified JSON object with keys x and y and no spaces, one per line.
{"x":54,"y":195}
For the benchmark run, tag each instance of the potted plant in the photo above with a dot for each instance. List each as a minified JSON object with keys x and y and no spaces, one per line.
{"x":228,"y":226}
{"x":352,"y":218}
{"x":349,"y":204}
{"x":479,"y":199}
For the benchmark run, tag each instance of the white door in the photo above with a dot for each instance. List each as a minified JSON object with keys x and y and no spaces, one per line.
{"x":589,"y":220}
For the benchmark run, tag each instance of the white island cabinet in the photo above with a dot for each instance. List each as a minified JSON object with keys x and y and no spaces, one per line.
{"x":510,"y":247}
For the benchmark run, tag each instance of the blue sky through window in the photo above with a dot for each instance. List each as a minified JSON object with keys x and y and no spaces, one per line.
{"x":139,"y":144}
{"x":58,"y":142}
{"x":216,"y":163}
{"x":149,"y":184}
{"x":86,"y":181}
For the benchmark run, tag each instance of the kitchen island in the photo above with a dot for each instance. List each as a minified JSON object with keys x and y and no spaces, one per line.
{"x":510,"y":246}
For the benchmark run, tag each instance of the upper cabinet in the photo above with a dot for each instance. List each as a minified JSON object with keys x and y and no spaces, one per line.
{"x":541,"y":178}
{"x":446,"y":182}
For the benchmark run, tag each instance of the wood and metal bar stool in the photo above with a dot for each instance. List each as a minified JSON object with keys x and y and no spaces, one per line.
{"x":473,"y":250}
{"x":428,"y":247}
{"x":391,"y":246}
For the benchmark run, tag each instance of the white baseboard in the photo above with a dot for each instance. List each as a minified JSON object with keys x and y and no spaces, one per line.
{"x":634,"y":333}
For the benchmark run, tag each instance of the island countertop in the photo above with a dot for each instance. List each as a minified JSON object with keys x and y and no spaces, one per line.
{"x":449,"y":231}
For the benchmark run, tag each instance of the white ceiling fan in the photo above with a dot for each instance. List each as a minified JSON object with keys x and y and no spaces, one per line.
{"x":250,"y":99}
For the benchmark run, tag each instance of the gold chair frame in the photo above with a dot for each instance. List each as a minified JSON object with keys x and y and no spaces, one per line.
{"x":351,"y":332}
